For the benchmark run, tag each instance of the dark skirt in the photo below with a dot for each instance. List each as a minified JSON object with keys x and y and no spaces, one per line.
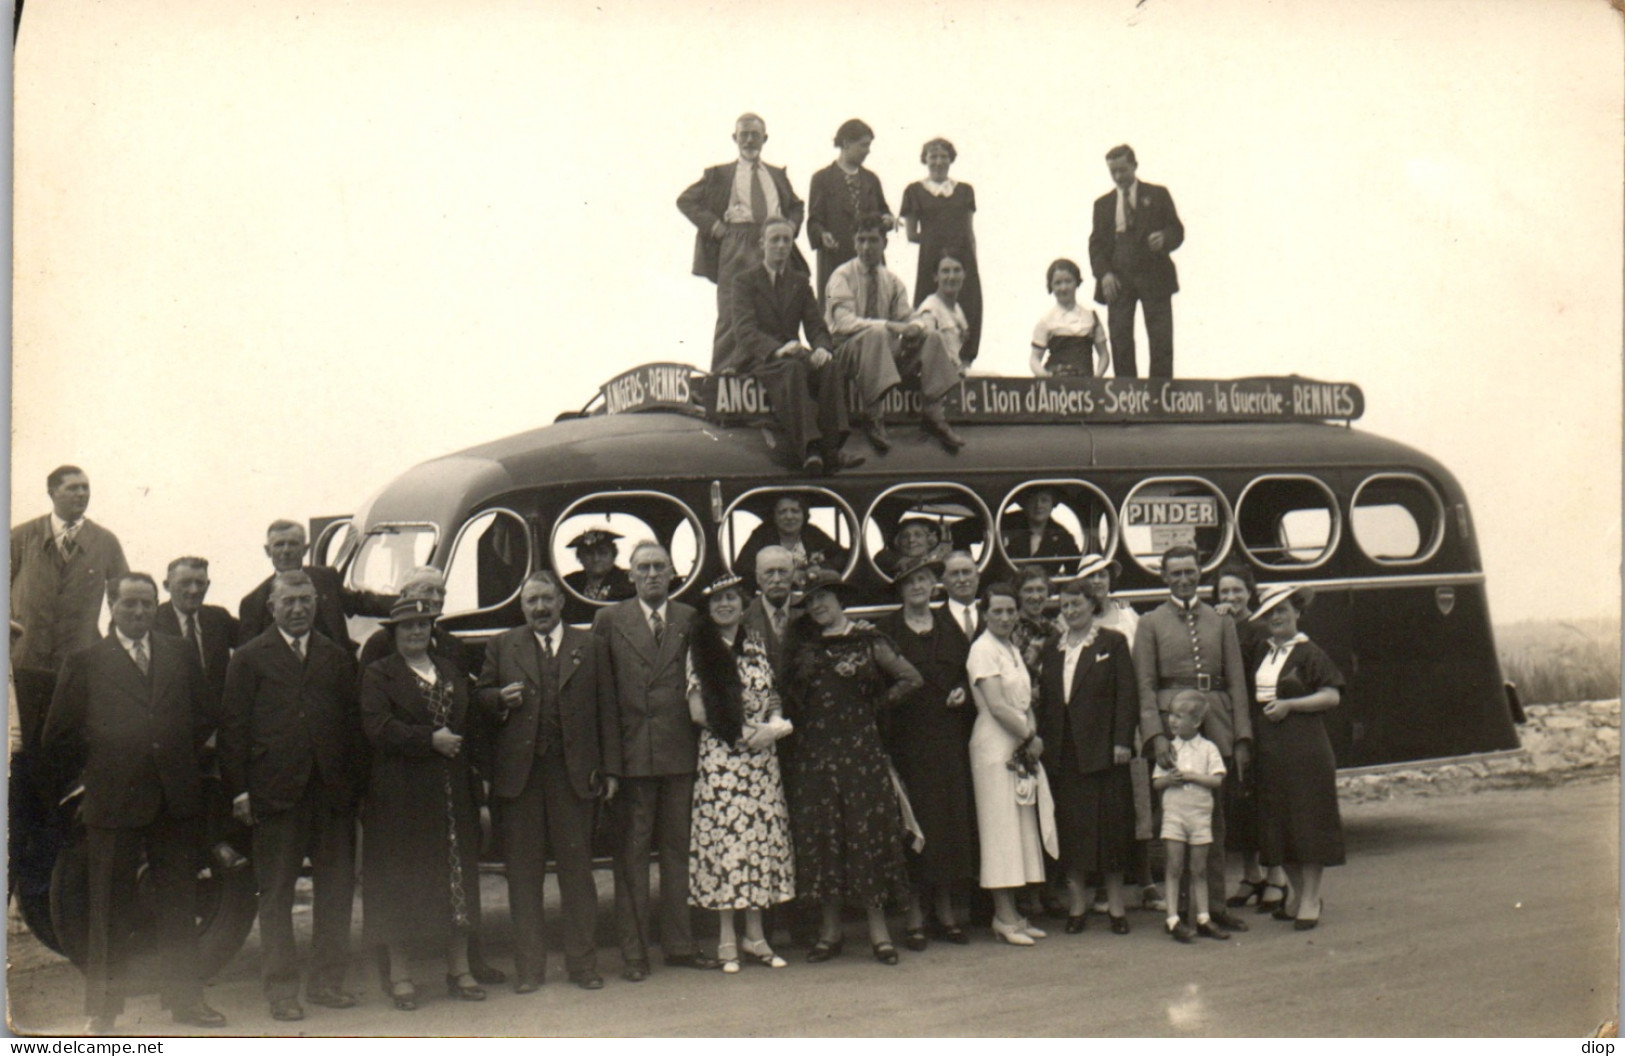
{"x":1298,"y":819}
{"x":1071,"y":355}
{"x":1094,"y":815}
{"x":420,"y":879}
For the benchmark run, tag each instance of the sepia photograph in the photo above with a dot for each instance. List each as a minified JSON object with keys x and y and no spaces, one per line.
{"x":938,"y":519}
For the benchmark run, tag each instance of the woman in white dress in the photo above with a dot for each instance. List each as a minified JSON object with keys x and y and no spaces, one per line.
{"x":1003,"y":744}
{"x":942,"y":312}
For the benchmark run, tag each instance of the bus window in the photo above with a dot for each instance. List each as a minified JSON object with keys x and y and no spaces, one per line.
{"x":488,"y":563}
{"x":387,"y":554}
{"x":627,"y":518}
{"x":335,"y":544}
{"x":1052,"y":522}
{"x":816,"y":525}
{"x":1288,"y":522}
{"x":1398,"y":519}
{"x":913,"y":519}
{"x":1164,"y":512}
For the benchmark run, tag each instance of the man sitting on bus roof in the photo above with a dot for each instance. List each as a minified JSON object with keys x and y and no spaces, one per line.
{"x":869,"y":313}
{"x":773,"y":305}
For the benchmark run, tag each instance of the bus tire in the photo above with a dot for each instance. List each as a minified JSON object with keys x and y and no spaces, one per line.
{"x":36,"y":913}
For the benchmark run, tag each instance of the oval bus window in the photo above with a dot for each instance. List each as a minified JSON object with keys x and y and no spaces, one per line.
{"x":387,"y":553}
{"x":913,"y":519}
{"x":1164,"y":512}
{"x":593,"y":540}
{"x":816,"y":525}
{"x":488,"y":562}
{"x":334,"y":544}
{"x":1067,"y":518}
{"x":1398,"y":519}
{"x":1288,"y":522}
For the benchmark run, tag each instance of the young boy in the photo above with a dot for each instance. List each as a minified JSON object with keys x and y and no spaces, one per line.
{"x":1187,"y":810}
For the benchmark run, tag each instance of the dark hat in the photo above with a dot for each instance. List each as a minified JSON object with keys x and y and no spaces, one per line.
{"x":820,"y":578}
{"x":1273,"y":596}
{"x":911,"y":565}
{"x":722,"y":583}
{"x":408,"y":609}
{"x":594,"y":537}
{"x":1097,"y":562}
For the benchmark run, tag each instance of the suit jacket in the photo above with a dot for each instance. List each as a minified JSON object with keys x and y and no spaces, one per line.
{"x":132,"y":739}
{"x":778,"y":649}
{"x":829,"y":208}
{"x":1150,"y":272}
{"x":705,"y":202}
{"x":332,"y":603}
{"x":1056,"y":541}
{"x":283,"y":723}
{"x":219,"y":629}
{"x":646,"y":728}
{"x":1102,"y":704}
{"x":766,"y":317}
{"x":58,"y":602}
{"x":1162,"y":649}
{"x":514,"y":656}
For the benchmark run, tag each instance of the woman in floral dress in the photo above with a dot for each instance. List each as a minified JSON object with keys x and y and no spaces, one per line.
{"x":843,"y":807}
{"x":739,"y":853}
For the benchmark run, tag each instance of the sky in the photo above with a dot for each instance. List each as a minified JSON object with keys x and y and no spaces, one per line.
{"x":268,"y":256}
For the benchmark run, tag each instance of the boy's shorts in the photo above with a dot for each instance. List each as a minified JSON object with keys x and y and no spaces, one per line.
{"x":1187,"y":821}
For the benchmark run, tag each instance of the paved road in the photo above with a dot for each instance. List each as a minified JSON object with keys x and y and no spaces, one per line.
{"x":1492,"y":914}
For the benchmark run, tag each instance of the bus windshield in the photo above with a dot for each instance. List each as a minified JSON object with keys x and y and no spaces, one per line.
{"x":387,"y":553}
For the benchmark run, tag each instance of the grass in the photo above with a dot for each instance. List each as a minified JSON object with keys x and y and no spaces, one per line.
{"x":1554,"y":661}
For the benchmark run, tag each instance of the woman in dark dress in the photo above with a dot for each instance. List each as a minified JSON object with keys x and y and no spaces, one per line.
{"x":1088,"y":707}
{"x":1299,"y":823}
{"x":1033,"y":629}
{"x":1069,"y":339}
{"x":1043,"y":541}
{"x":844,"y":817}
{"x":420,"y":868}
{"x":939,"y":211}
{"x":808,"y":544}
{"x":928,"y":737}
{"x":839,"y":195}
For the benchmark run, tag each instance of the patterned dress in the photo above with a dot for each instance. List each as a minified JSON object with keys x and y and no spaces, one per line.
{"x":739,"y":854}
{"x":843,"y":809}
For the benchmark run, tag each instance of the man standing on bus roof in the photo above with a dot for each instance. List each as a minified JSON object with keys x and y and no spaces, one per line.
{"x":650,"y":752}
{"x":728,"y":206}
{"x":869,"y":313}
{"x":1185,"y":644}
{"x":773,"y":305}
{"x":1135,"y":228}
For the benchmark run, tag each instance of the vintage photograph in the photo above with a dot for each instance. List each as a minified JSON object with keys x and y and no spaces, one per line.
{"x":1093,"y":519}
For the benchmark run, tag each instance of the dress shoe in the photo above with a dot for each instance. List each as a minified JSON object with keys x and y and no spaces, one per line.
{"x":225,"y":859}
{"x":330,"y":997}
{"x":1282,"y":913}
{"x":950,"y":440}
{"x":1303,"y":923}
{"x":824,"y":950}
{"x":1229,"y":921}
{"x":704,"y":962}
{"x":875,"y":430}
{"x":1210,"y":930}
{"x":1270,"y":905}
{"x":526,"y":985}
{"x":485,"y":974}
{"x":844,"y":460}
{"x":886,"y":953}
{"x":813,"y":466}
{"x":955,"y":934}
{"x":1248,"y":893}
{"x":287,"y":1010}
{"x":404,"y":996}
{"x":198,"y":1014}
{"x":1119,"y":925}
{"x":1011,"y":933}
{"x":914,"y":939}
{"x":762,"y":954}
{"x":1181,"y":931}
{"x":464,"y":987}
{"x":1076,"y":924}
{"x":587,"y":979}
{"x":1030,"y":931}
{"x":1151,"y":898}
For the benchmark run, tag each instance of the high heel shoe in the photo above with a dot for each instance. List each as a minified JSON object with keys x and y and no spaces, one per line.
{"x":1030,"y":931}
{"x":914,"y":939}
{"x":469,"y":991}
{"x":1270,"y":905}
{"x":1303,"y":923}
{"x":728,"y":954}
{"x":762,"y":954}
{"x":885,"y":953}
{"x":1076,"y":923}
{"x":1011,"y":933}
{"x":824,"y":950}
{"x":1248,"y":893}
{"x":404,"y":995}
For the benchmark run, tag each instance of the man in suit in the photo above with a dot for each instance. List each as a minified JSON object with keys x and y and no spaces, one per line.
{"x":128,"y":721}
{"x":542,"y":682}
{"x":878,"y":341}
{"x":961,"y":580}
{"x":773,"y":306}
{"x":1185,"y":644}
{"x":286,"y":545}
{"x":728,"y":206}
{"x":1135,"y":228}
{"x":292,"y":760}
{"x":651,"y":749}
{"x":770,"y":613}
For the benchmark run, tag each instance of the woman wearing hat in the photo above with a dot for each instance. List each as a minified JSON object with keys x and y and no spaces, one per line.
{"x":599,"y":579}
{"x":843,"y":810}
{"x":1299,"y":826}
{"x":916,"y":538}
{"x":739,"y":851}
{"x":1098,"y":575}
{"x":928,"y":737}
{"x":788,"y":527}
{"x":1044,"y":539}
{"x":420,"y":861}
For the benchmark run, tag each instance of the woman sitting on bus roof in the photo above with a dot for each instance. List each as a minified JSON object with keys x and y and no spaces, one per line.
{"x":1299,"y":826}
{"x":928,"y":737}
{"x":844,"y":812}
{"x":1043,"y":540}
{"x":739,"y":851}
{"x":942,"y":312}
{"x":915,"y":538}
{"x":599,"y":579}
{"x":939,"y":211}
{"x":1067,"y":334}
{"x":788,"y":527}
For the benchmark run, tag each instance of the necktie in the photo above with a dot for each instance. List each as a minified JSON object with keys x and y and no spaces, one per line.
{"x":69,"y":534}
{"x":547,"y":648}
{"x":758,"y":194}
{"x":970,"y":622}
{"x":194,"y":636}
{"x":657,"y":626}
{"x":871,"y":295}
{"x":299,"y":649}
{"x":1128,"y":209}
{"x":778,"y":623}
{"x":138,"y":652}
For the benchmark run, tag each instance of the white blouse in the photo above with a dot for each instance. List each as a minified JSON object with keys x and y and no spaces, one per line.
{"x":1269,"y":671}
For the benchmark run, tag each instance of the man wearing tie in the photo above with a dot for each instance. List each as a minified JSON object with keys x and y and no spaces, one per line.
{"x":542,"y":682}
{"x":728,"y":206}
{"x":128,"y":722}
{"x":773,"y":306}
{"x":1135,"y":228}
{"x":286,"y":546}
{"x":770,"y":613}
{"x":961,"y":581}
{"x":292,"y":760}
{"x":651,"y":749}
